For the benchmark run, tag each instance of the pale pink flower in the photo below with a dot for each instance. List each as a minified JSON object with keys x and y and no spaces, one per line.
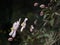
{"x":42,"y":6}
{"x":35,"y":4}
{"x":10,"y":39}
{"x":41,"y":13}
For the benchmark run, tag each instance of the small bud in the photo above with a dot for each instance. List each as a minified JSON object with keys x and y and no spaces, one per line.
{"x":36,"y":4}
{"x":10,"y":39}
{"x":42,"y":6}
{"x":31,"y":28}
{"x":46,"y":7}
{"x":41,"y":13}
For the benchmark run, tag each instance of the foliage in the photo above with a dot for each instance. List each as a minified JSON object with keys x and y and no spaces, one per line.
{"x":49,"y":31}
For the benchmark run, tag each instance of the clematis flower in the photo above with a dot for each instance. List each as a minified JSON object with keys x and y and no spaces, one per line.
{"x":14,"y":28}
{"x":23,"y":24}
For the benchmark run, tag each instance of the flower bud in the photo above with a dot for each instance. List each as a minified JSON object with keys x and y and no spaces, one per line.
{"x":42,"y":6}
{"x":36,"y":4}
{"x":41,"y":13}
{"x":31,"y":28}
{"x":10,"y":39}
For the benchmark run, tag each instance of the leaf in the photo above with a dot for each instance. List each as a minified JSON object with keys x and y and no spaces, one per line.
{"x":51,"y":22}
{"x":46,"y":35}
{"x":45,"y":16}
{"x":39,"y":36}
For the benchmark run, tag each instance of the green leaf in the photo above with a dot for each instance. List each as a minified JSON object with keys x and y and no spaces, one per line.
{"x":46,"y":35}
{"x":45,"y":16}
{"x":51,"y":22}
{"x":39,"y":36}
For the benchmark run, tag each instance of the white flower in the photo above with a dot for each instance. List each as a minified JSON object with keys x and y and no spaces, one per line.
{"x":23,"y":24}
{"x":14,"y":28}
{"x":16,"y":25}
